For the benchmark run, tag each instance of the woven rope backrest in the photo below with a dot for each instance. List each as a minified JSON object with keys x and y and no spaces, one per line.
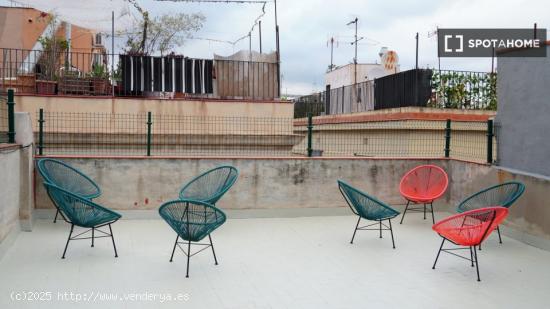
{"x":425,"y":181}
{"x":504,"y":195}
{"x":210,"y":186}
{"x":363,"y":204}
{"x":68,"y":178}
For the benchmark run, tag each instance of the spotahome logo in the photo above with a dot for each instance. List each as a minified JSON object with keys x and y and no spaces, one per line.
{"x":484,"y":42}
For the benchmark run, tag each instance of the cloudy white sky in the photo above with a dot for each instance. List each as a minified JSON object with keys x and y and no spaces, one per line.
{"x":307,"y":25}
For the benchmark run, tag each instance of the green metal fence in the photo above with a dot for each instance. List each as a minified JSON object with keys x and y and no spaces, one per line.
{"x":7,"y":117}
{"x":150,"y":134}
{"x":464,"y":140}
{"x":3,"y":118}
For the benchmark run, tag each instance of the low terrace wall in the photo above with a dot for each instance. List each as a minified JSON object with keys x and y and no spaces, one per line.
{"x":303,"y":186}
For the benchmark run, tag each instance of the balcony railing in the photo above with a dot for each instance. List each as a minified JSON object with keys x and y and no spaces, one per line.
{"x":97,"y":74}
{"x":423,"y":88}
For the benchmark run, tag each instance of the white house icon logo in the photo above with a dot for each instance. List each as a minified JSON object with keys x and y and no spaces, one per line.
{"x":460,"y":38}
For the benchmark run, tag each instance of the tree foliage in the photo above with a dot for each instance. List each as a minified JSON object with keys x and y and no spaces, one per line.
{"x":164,"y":33}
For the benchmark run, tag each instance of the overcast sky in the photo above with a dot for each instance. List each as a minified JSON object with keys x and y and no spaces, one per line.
{"x":307,"y":25}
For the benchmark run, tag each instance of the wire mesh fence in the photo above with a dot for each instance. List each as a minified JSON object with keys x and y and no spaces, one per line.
{"x":397,"y":138}
{"x":469,"y":141}
{"x":167,"y":135}
{"x":377,"y":139}
{"x":3,"y":117}
{"x":150,"y":134}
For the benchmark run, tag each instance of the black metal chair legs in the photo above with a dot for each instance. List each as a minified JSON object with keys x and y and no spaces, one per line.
{"x":419,"y":209}
{"x":93,"y":237}
{"x":473,"y":255}
{"x":499,"y":237}
{"x":380,"y":229}
{"x":56,"y":213}
{"x":188,"y":252}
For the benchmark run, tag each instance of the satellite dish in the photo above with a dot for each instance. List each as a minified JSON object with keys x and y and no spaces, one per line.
{"x":390,"y":60}
{"x":382,"y":51}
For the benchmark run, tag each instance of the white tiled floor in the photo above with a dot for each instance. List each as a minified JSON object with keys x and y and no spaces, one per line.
{"x":274,"y":263}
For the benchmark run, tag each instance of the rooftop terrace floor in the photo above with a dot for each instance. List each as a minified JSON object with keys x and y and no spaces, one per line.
{"x":304,"y":262}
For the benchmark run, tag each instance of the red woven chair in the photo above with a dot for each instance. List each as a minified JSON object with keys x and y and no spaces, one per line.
{"x":468,"y":230}
{"x":423,"y":185}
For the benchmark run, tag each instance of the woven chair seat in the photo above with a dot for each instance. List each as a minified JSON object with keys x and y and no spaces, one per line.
{"x":192,"y":220}
{"x":79,"y":210}
{"x":471,"y":227}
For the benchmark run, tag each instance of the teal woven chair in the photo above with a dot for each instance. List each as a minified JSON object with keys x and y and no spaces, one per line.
{"x":503,"y":195}
{"x":210,"y":186}
{"x":369,"y":208}
{"x":192,"y":221}
{"x":69,"y":178}
{"x":81,"y":212}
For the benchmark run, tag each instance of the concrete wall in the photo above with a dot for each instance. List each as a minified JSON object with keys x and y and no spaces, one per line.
{"x":16,"y":204}
{"x":523,"y":107}
{"x":143,"y":184}
{"x":529,"y":219}
{"x":187,"y":107}
{"x":9,"y":199}
{"x":275,"y":187}
{"x":16,"y":183}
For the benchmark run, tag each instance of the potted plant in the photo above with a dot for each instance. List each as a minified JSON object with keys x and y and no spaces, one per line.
{"x":50,"y":60}
{"x":99,"y":78}
{"x":26,"y":82}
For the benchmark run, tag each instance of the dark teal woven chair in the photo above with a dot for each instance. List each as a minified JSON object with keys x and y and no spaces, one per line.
{"x":69,"y":178}
{"x":81,"y":212}
{"x":210,"y":186}
{"x":369,"y":208}
{"x":503,"y":195}
{"x":192,"y":221}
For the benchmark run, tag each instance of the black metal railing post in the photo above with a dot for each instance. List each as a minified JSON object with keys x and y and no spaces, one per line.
{"x":41,"y":132}
{"x":309,"y":134}
{"x":448,"y":138}
{"x":490,"y":135}
{"x":149,"y":123}
{"x":11,"y":117}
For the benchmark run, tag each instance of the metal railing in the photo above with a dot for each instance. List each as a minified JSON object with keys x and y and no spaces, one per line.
{"x":342,"y":100}
{"x":423,"y":88}
{"x":149,"y":134}
{"x":3,"y":118}
{"x":464,"y":140}
{"x":7,"y":117}
{"x":163,"y":135}
{"x":103,"y":74}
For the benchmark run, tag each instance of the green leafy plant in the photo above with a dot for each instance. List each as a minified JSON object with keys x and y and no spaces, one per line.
{"x":99,"y":71}
{"x":53,"y":50}
{"x":463,"y":90}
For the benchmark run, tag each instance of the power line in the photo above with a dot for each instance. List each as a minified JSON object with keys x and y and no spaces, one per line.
{"x":262,"y":14}
{"x":218,"y":1}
